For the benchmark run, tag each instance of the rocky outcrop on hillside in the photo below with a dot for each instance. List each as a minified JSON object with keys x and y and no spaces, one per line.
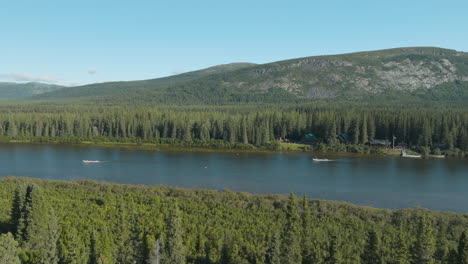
{"x":417,"y":73}
{"x":358,"y":74}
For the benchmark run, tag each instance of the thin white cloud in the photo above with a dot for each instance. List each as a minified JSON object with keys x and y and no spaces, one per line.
{"x":26,"y":77}
{"x":92,"y":71}
{"x":177,"y":71}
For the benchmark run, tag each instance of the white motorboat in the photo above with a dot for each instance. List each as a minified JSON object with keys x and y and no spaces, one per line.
{"x":321,"y":160}
{"x":436,"y":156}
{"x":405,"y":155}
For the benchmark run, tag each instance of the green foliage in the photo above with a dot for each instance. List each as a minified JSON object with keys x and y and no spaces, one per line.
{"x":291,"y":237}
{"x":240,"y":127}
{"x":71,"y":247}
{"x":306,"y":239}
{"x":174,"y":248}
{"x":8,"y":249}
{"x":152,"y":250}
{"x":401,"y":253}
{"x":334,"y":255}
{"x":25,"y":90}
{"x":273,"y":254}
{"x":363,"y":76}
{"x":372,"y":254}
{"x":424,"y":248}
{"x":170,"y":225}
{"x":463,"y":249}
{"x":37,"y":229}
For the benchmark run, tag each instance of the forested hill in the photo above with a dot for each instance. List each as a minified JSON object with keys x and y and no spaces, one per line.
{"x":10,"y":90}
{"x":418,"y":74}
{"x":140,"y":88}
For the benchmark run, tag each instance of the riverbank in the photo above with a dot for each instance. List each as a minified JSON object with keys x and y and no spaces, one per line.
{"x":212,"y":146}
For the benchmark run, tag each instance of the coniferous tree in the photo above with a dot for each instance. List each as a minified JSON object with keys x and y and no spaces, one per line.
{"x":334,"y":255}
{"x":364,"y":136}
{"x":401,"y":250}
{"x":355,"y":132}
{"x":124,"y":246}
{"x":153,"y":250}
{"x":49,"y":249}
{"x":452,"y":256}
{"x":18,"y":210}
{"x":462,"y":252}
{"x":245,"y":138}
{"x":38,"y":229}
{"x":306,"y":241}
{"x":230,"y":253}
{"x":95,"y":254}
{"x":71,"y":248}
{"x":425,"y":245}
{"x":174,"y":251}
{"x":291,"y":252}
{"x":100,"y":246}
{"x":370,"y":128}
{"x":371,"y":254}
{"x":274,"y":250}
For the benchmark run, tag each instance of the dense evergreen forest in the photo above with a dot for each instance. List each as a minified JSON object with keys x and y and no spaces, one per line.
{"x":89,"y":222}
{"x":422,"y":128}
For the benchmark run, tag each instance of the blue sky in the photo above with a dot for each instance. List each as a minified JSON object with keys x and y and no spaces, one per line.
{"x":84,"y":41}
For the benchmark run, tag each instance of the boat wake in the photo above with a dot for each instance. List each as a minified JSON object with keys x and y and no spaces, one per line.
{"x":322,"y":160}
{"x":92,"y":161}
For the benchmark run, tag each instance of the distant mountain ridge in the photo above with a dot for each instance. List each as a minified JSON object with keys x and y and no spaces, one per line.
{"x":424,"y":73}
{"x":112,"y":88}
{"x":9,"y":90}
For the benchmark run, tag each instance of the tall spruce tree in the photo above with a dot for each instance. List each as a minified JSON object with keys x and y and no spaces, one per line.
{"x":174,"y":250}
{"x":18,"y":210}
{"x":334,"y":255}
{"x":462,"y":253}
{"x":273,"y":253}
{"x":400,"y":249}
{"x":153,"y":249}
{"x":425,"y":244}
{"x":306,"y":241}
{"x":38,"y":230}
{"x":371,"y":254}
{"x":291,"y":252}
{"x":71,"y":247}
{"x":230,"y":253}
{"x":94,"y":254}
{"x":124,"y":246}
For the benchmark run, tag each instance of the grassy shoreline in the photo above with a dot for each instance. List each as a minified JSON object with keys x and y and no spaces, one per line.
{"x":284,"y":148}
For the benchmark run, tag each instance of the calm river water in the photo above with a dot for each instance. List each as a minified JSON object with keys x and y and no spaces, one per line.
{"x":386,"y":182}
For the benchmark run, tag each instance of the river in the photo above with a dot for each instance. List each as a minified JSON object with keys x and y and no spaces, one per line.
{"x":384,"y":182}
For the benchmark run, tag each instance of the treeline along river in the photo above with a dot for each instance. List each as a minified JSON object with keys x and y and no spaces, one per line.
{"x":379,"y":181}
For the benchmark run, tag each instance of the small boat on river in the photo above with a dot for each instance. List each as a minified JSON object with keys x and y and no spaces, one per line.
{"x":406,"y":155}
{"x":91,"y":161}
{"x":321,"y":160}
{"x":436,"y":156}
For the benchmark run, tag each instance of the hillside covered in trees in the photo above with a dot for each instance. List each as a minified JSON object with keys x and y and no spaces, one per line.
{"x":403,"y":74}
{"x":88,"y":222}
{"x":423,"y":129}
{"x":9,"y":90}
